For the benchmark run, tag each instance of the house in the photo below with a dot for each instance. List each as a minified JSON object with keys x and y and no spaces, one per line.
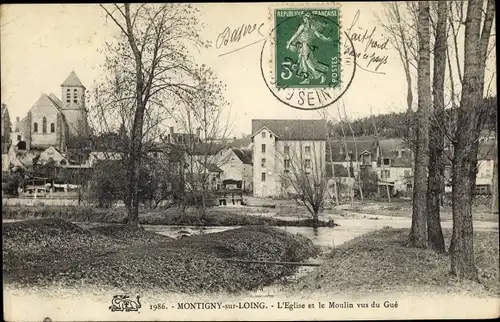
{"x":279,"y":147}
{"x":52,"y":121}
{"x":485,"y":168}
{"x":236,"y":165}
{"x":389,"y":159}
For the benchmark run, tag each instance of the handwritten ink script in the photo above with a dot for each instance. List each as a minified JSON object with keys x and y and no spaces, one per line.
{"x":371,"y":48}
{"x":231,"y":37}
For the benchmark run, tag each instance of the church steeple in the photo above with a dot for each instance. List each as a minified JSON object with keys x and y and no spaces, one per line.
{"x":73,"y":105}
{"x":72,"y":80}
{"x":73,"y":92}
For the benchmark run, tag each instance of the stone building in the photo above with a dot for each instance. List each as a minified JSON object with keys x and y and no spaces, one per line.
{"x":52,"y":122}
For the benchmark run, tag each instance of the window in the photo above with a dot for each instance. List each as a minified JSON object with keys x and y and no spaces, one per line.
{"x":385,"y":173}
{"x":68,"y":96}
{"x":75,"y":96}
{"x":287,"y":150}
{"x":263,"y":176}
{"x":263,"y":134}
{"x":19,"y":138}
{"x":270,"y":135}
{"x":263,"y":163}
{"x":287,"y":164}
{"x":44,"y":125}
{"x":387,"y":161}
{"x":35,"y":127}
{"x":308,"y":149}
{"x":307,"y":164}
{"x":263,"y":148}
{"x":409,"y":186}
{"x":52,"y":127}
{"x":407,"y":173}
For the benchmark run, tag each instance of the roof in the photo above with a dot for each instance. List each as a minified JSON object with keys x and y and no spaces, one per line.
{"x":214,"y":168}
{"x":389,"y":145}
{"x":244,"y":155}
{"x":359,"y":146}
{"x":207,"y":149}
{"x":292,"y":129}
{"x":57,"y":102}
{"x":486,"y":151}
{"x":72,"y":80}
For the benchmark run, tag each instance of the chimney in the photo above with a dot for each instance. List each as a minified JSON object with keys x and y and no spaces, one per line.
{"x":400,"y":153}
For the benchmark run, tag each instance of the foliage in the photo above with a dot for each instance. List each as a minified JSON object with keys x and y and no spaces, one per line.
{"x":171,"y":216}
{"x":11,"y":183}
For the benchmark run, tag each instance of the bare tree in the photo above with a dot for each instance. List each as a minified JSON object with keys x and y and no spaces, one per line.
{"x":153,"y":56}
{"x":305,"y":172}
{"x":380,"y":158}
{"x":436,"y":136}
{"x":418,"y":233}
{"x":202,"y":124}
{"x":330,"y":155}
{"x":471,"y":113}
{"x":347,"y":156}
{"x":356,"y":174}
{"x":402,"y":34}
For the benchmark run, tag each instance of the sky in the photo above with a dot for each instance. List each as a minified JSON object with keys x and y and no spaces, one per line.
{"x":42,"y":44}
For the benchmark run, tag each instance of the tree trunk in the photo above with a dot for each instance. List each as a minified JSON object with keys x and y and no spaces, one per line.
{"x":435,"y":239}
{"x":466,"y":142}
{"x":418,"y":233}
{"x":494,"y":183}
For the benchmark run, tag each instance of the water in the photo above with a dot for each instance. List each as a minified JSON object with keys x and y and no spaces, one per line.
{"x":348,"y":228}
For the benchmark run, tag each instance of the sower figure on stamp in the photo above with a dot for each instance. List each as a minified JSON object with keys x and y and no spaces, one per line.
{"x":301,"y":42}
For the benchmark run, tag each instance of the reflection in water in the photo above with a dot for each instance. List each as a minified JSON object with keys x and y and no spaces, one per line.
{"x":315,"y":229}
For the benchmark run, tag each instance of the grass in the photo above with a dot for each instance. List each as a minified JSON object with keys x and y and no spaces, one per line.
{"x":172,"y":216}
{"x":380,"y":262}
{"x":46,"y":252}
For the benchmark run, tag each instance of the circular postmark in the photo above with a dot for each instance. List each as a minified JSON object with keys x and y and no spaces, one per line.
{"x":301,"y":61}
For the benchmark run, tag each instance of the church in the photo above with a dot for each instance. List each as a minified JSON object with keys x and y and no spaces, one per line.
{"x":52,"y":122}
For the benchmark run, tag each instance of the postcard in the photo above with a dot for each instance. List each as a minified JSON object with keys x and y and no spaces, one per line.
{"x":249,"y":161}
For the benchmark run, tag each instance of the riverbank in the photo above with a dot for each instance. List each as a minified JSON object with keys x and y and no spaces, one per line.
{"x":172,"y":216}
{"x":380,"y":262}
{"x":53,"y":252}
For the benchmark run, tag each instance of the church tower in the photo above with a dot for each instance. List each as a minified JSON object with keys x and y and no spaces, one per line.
{"x":73,"y":106}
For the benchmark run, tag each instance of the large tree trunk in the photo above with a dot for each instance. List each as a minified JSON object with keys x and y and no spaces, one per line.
{"x":136,"y":135}
{"x":418,"y":233}
{"x":494,"y":183}
{"x":435,"y":239}
{"x":466,"y":142}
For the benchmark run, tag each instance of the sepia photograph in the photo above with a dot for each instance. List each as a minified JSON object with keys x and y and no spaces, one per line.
{"x":249,"y":161}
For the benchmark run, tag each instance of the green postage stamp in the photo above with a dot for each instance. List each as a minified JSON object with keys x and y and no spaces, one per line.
{"x":307,"y":48}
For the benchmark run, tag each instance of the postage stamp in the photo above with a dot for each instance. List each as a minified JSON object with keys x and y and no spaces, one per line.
{"x":301,"y":59}
{"x":307,"y":48}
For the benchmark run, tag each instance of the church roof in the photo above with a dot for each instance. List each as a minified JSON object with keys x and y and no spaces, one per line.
{"x":44,"y":100}
{"x":72,"y":80}
{"x":57,"y":102}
